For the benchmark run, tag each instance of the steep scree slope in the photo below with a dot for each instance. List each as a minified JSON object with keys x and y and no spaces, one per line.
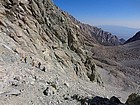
{"x":40,"y":28}
{"x":33,"y":31}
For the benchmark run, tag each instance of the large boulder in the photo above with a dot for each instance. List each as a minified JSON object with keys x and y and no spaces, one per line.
{"x":97,"y":100}
{"x":133,"y":99}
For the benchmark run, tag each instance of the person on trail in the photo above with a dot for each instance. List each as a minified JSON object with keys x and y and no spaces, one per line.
{"x":39,"y":64}
{"x":25,"y":59}
{"x":21,"y":59}
{"x":33,"y":62}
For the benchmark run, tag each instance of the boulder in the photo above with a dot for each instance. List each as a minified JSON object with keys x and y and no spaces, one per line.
{"x":14,"y":92}
{"x":114,"y":99}
{"x":97,"y":100}
{"x":49,"y":91}
{"x":133,"y":99}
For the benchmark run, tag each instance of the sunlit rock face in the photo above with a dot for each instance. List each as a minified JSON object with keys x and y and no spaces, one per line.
{"x":46,"y":56}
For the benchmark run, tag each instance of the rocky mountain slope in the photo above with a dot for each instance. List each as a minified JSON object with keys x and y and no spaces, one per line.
{"x":134,"y":38}
{"x":102,"y":37}
{"x":46,"y":57}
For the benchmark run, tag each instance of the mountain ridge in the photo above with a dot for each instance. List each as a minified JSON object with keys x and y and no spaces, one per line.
{"x":103,"y":37}
{"x":134,"y":38}
{"x":121,"y":31}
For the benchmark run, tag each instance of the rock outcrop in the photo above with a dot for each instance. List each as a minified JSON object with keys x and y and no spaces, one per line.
{"x":97,"y":100}
{"x":122,"y":41}
{"x":133,"y":99}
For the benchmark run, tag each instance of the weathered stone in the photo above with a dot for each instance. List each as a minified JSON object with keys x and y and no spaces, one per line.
{"x":133,"y":99}
{"x":49,"y":91}
{"x":114,"y":99}
{"x":14,"y":92}
{"x":67,"y":84}
{"x":97,"y":100}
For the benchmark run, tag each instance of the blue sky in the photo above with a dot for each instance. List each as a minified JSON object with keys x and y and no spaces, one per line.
{"x":103,"y":12}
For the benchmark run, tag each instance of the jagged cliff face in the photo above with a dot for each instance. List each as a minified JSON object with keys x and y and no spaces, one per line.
{"x":40,"y":28}
{"x":33,"y":31}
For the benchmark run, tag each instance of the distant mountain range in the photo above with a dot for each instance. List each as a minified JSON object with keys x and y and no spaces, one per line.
{"x":97,"y":34}
{"x":120,"y":31}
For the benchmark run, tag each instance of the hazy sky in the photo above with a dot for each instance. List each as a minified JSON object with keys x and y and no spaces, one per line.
{"x":103,"y":12}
